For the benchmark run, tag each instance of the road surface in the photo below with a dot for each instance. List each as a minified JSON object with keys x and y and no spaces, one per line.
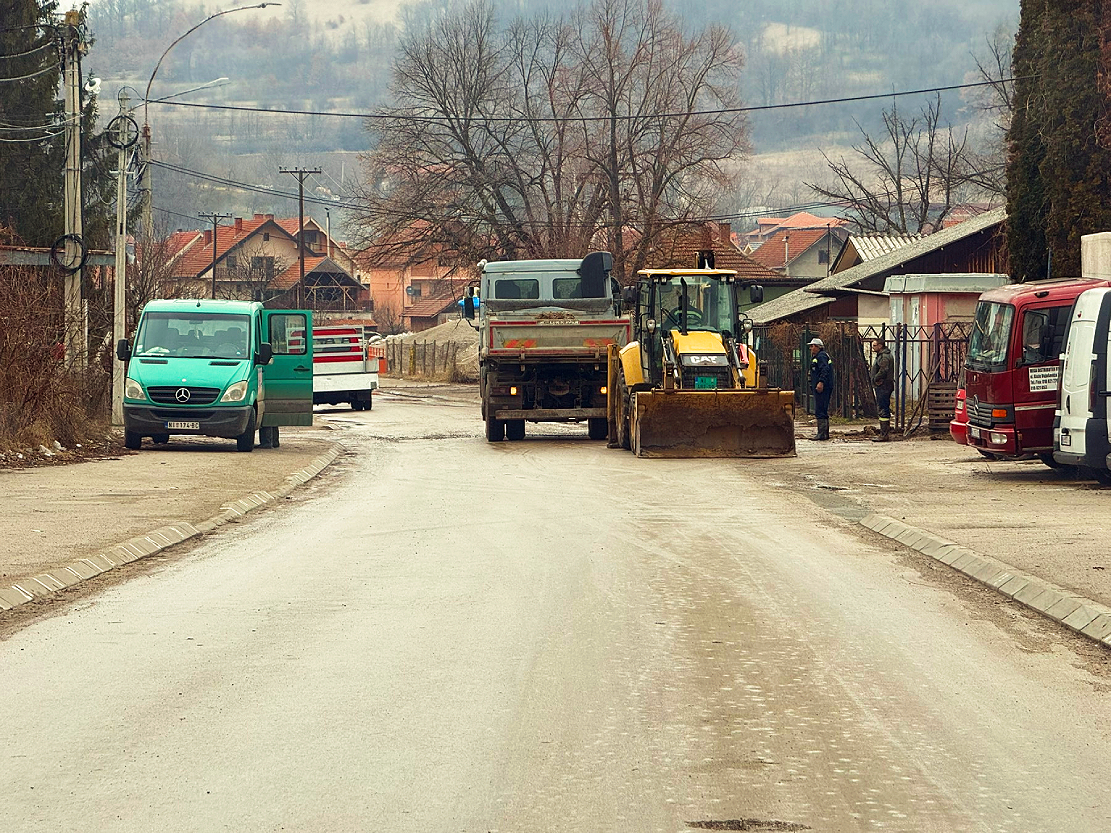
{"x":545,"y":636}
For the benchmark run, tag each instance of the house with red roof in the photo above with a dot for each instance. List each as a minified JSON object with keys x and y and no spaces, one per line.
{"x":259,"y":259}
{"x":805,"y":254}
{"x":766,"y":227}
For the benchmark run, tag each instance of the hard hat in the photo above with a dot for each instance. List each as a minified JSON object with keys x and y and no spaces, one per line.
{"x":818,"y":342}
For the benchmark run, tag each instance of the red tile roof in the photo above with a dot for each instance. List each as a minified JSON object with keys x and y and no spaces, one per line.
{"x":442,"y":301}
{"x":798,"y":241}
{"x":181,"y":240}
{"x":292,"y":276}
{"x":198,"y":258}
{"x":680,"y":248}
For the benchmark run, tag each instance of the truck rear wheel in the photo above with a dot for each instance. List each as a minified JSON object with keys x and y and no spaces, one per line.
{"x":515,"y":429}
{"x":597,"y":428}
{"x":495,"y":430}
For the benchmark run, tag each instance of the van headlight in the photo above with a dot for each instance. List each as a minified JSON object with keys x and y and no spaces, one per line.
{"x":132,"y":389}
{"x":235,"y":393}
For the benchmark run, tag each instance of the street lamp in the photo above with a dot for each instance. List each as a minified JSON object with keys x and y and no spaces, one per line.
{"x":145,"y":185}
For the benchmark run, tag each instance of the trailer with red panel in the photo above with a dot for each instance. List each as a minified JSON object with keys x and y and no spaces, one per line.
{"x":1012,"y":373}
{"x":344,"y":367}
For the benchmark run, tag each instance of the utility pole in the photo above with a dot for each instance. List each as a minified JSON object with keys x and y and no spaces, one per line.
{"x":76,"y":344}
{"x":215,"y":218}
{"x":301,"y":174}
{"x":122,"y":134}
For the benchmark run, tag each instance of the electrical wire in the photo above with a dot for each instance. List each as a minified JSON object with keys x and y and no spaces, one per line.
{"x":57,"y":66}
{"x":548,"y":119}
{"x":175,"y":213}
{"x":48,"y":45}
{"x":45,"y":138}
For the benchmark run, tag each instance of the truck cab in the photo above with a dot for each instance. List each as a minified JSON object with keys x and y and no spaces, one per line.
{"x":1012,"y":371}
{"x":216,"y":369}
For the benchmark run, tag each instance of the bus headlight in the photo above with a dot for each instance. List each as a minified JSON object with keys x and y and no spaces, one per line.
{"x":235,"y":393}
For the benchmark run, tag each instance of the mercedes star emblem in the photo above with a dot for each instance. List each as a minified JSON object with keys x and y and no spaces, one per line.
{"x":182,"y":395}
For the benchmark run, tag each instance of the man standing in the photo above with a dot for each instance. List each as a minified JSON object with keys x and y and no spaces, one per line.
{"x":883,"y":382}
{"x":821,"y":382}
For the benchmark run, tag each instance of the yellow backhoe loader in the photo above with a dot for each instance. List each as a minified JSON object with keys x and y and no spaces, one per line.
{"x":689,"y":384}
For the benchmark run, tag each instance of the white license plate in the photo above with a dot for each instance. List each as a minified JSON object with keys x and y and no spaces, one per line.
{"x":183,"y":426}
{"x":974,"y":432}
{"x":1066,"y":441}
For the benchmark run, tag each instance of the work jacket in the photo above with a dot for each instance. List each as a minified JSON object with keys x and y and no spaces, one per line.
{"x":821,"y":371}
{"x":883,"y":370}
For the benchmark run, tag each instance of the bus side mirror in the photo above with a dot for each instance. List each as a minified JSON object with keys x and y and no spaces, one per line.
{"x":123,"y":350}
{"x":265,"y":353}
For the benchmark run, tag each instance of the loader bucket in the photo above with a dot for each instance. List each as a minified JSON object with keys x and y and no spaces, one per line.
{"x":723,"y":423}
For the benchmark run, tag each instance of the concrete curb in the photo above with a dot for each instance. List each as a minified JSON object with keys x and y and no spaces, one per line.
{"x":1077,"y":613}
{"x":141,"y":546}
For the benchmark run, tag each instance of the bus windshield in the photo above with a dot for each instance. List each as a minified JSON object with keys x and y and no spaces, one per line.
{"x":991,"y":333}
{"x":709,"y":304}
{"x":191,"y":335}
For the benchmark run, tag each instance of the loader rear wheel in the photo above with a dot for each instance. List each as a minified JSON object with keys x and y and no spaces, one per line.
{"x":515,"y":429}
{"x":597,"y":428}
{"x":495,"y":430}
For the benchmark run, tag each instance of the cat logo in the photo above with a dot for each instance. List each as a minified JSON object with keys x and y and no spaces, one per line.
{"x":712,"y":360}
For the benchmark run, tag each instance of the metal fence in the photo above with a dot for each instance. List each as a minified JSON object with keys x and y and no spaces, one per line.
{"x":928,"y":363}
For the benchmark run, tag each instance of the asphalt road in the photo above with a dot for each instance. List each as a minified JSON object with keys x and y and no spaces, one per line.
{"x":544,"y":636}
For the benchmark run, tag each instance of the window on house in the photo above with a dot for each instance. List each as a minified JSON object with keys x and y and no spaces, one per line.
{"x":232,"y":261}
{"x":823,"y":255}
{"x":263,"y":266}
{"x":266,"y":237}
{"x":310,"y":238}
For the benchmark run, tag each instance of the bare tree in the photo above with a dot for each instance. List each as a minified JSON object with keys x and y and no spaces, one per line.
{"x":388,"y":320}
{"x":551,"y":136}
{"x":906,"y":182}
{"x":985,"y":166}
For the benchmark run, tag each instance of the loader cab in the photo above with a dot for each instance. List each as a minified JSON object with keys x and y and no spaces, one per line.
{"x":677,"y":305}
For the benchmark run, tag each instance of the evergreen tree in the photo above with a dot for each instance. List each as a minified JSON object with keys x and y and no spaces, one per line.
{"x":32,"y":138}
{"x":31,"y":158}
{"x":1058,"y":175}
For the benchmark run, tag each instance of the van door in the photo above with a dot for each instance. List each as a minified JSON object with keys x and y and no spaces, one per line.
{"x":287,"y":380}
{"x":1080,"y":384}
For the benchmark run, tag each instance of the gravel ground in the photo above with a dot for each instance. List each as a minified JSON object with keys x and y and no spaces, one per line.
{"x":55,"y":514}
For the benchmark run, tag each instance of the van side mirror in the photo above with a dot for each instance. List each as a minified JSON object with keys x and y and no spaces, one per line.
{"x":123,"y":350}
{"x":265,"y":353}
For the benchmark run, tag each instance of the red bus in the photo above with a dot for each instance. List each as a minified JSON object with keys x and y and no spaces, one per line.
{"x":1012,"y":373}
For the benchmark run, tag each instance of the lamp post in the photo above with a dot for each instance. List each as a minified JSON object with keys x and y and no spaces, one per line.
{"x":145,"y":183}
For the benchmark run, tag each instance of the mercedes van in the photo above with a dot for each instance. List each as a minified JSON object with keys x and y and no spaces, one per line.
{"x":1081,"y":431}
{"x":216,"y":369}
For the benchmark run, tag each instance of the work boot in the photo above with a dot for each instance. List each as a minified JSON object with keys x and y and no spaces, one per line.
{"x":885,"y":432}
{"x":823,"y":429}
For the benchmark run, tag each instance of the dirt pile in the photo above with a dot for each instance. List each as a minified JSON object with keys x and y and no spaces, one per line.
{"x":447,"y":352}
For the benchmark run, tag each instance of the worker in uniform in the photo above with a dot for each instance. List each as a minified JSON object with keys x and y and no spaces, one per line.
{"x":821,"y":383}
{"x":882,"y":377}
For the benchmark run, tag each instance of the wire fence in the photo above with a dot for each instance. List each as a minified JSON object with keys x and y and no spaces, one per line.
{"x":928,"y":362}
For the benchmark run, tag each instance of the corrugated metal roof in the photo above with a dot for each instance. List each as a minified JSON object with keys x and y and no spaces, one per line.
{"x":811,"y":296}
{"x":871,"y":246}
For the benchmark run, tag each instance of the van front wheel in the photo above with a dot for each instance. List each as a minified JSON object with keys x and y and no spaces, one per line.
{"x":132,"y":440}
{"x":246,"y":440}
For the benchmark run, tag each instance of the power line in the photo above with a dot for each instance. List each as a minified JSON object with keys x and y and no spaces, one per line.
{"x":47,"y":45}
{"x":246,"y":186}
{"x":548,"y":119}
{"x":52,"y":68}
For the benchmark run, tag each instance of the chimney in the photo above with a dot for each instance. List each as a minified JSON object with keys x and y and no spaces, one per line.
{"x":238,"y":224}
{"x":208,"y":237}
{"x":787,"y":254}
{"x":726,"y":234}
{"x":259,"y":218}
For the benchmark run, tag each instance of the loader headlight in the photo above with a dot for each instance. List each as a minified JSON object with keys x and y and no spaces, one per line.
{"x":235,"y":393}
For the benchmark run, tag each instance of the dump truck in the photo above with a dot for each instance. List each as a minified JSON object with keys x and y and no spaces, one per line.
{"x":545,"y":328}
{"x":689,"y":383}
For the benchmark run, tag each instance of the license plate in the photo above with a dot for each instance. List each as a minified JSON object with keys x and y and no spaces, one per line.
{"x":183,"y":426}
{"x":705,"y":382}
{"x":1066,"y":441}
{"x":974,"y":432}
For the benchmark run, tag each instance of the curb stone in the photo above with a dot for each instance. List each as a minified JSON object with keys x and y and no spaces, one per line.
{"x":1077,"y":613}
{"x":141,"y":546}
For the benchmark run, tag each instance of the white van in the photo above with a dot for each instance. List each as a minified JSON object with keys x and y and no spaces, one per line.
{"x":1081,"y":431}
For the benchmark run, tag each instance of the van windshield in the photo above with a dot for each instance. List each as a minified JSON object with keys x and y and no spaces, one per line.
{"x":193,"y":335}
{"x":991,"y":333}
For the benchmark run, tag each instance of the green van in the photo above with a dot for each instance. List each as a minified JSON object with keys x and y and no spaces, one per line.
{"x":217,"y":369}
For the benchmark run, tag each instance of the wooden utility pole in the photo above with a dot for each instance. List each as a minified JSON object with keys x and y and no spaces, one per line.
{"x":215,"y":218}
{"x":76,"y":344}
{"x":301,"y":174}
